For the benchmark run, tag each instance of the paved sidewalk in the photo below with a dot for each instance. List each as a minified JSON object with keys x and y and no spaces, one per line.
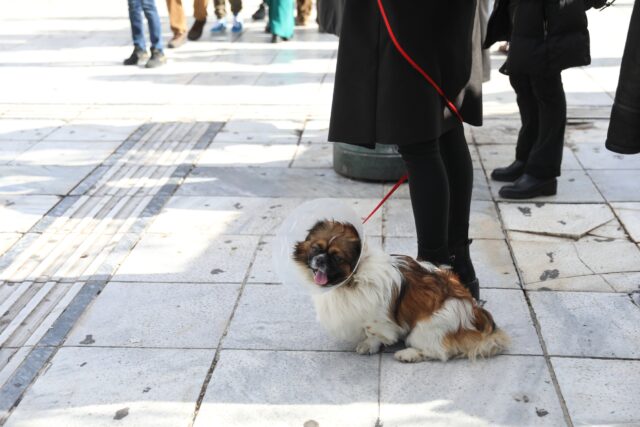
{"x":137,"y":213}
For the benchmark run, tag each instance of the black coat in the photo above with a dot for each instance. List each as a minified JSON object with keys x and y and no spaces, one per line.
{"x":624,"y":128}
{"x":378,"y":97}
{"x":330,"y":15}
{"x":546,"y":36}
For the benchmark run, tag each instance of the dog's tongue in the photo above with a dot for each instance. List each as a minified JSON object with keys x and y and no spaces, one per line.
{"x":320,"y":278}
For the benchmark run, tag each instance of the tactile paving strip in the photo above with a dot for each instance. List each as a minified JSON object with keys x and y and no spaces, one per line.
{"x":48,"y":278}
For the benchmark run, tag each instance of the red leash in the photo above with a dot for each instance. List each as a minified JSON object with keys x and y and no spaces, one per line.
{"x":427,"y":77}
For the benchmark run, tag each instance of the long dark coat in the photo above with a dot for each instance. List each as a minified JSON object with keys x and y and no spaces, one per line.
{"x":624,"y":128}
{"x":330,"y":15}
{"x":546,"y":36}
{"x":378,"y":97}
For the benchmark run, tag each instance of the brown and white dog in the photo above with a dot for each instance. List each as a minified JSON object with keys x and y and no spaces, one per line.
{"x":390,"y":298}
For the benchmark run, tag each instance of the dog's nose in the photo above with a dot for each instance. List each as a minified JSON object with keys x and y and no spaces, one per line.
{"x":319,"y":261}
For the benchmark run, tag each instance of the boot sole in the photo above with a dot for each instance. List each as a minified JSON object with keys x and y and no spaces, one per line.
{"x":546,"y":189}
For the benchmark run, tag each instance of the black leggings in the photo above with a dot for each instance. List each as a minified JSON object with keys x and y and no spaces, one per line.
{"x":440,"y":183}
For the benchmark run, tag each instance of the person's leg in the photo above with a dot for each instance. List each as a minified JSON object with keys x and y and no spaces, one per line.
{"x":177,"y":19}
{"x":304,"y":11}
{"x":457,"y":161}
{"x":137,"y":29}
{"x":528,"y":107}
{"x":545,"y":158}
{"x":236,"y":6}
{"x":220,"y":8}
{"x":429,"y":190}
{"x":153,"y":19}
{"x":200,"y":10}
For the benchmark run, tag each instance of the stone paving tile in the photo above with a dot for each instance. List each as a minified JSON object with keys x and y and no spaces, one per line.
{"x":507,"y":390}
{"x":491,"y":259}
{"x":495,"y":156}
{"x":561,"y":220}
{"x":485,"y":223}
{"x":318,"y":155}
{"x":27,"y":130}
{"x":95,"y":386}
{"x":480,"y":188}
{"x":260,"y":131}
{"x":248,"y":155}
{"x":600,"y":392}
{"x":7,"y":240}
{"x":573,"y":187}
{"x":274,"y":182}
{"x":315,"y":131}
{"x":185,"y":258}
{"x":510,"y":312}
{"x":28,"y":179}
{"x":587,"y":131}
{"x":242,"y":215}
{"x":9,"y":150}
{"x":20,"y":213}
{"x":72,"y":153}
{"x":497,"y":131}
{"x":258,"y":388}
{"x":547,"y":261}
{"x":588,"y":324}
{"x":629,"y":214}
{"x":618,"y":185}
{"x":596,"y":156}
{"x":278,"y":317}
{"x":94,"y":130}
{"x":196,"y":317}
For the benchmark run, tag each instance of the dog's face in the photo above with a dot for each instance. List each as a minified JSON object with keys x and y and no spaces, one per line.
{"x":329,"y":253}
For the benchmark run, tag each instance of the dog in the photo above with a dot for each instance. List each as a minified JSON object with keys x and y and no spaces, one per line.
{"x":379,"y":299}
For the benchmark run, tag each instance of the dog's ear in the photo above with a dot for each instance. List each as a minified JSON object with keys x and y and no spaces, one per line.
{"x":300,"y":252}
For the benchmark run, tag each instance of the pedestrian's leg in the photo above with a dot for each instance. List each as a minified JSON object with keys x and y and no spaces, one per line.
{"x":528,"y":107}
{"x":220,"y":8}
{"x":457,"y":161}
{"x":303,"y":11}
{"x":200,"y":10}
{"x":546,"y":156}
{"x":137,"y":29}
{"x":153,"y":19}
{"x":236,"y":6}
{"x":177,"y":19}
{"x":429,"y":190}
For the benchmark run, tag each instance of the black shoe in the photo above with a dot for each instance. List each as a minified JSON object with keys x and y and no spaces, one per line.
{"x":196,"y":30}
{"x":510,"y":173}
{"x":259,"y":14}
{"x":528,"y":187}
{"x":138,"y":55}
{"x":157,"y":59}
{"x":177,"y":41}
{"x":278,"y":39}
{"x":461,"y":265}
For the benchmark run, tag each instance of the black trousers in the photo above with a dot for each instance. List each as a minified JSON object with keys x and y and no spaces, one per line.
{"x":543,"y":111}
{"x":440,"y":184}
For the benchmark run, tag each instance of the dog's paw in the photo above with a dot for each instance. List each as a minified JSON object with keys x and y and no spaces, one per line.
{"x":408,"y":355}
{"x":368,"y":347}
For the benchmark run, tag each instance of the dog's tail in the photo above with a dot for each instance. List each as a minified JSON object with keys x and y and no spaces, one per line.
{"x":485,"y":340}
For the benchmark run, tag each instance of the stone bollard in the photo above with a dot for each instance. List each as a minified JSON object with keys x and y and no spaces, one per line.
{"x":382,"y":164}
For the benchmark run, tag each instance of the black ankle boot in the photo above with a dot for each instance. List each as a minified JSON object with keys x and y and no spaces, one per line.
{"x":461,"y":265}
{"x":509,"y":173}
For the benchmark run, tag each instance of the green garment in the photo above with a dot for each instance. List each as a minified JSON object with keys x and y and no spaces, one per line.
{"x":281,"y":17}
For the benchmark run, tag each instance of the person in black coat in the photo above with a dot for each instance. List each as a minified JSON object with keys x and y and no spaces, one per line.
{"x":624,"y":128}
{"x":545,"y":37}
{"x":380,"y":98}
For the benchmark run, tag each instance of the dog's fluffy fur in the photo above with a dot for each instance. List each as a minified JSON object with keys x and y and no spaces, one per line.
{"x":390,"y":298}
